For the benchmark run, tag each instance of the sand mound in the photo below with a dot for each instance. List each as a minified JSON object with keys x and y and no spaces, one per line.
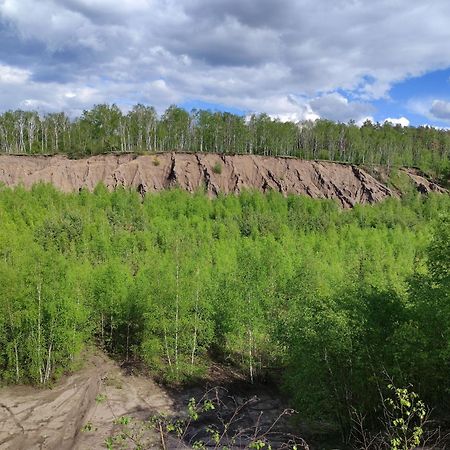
{"x":213,"y":172}
{"x":422,"y":183}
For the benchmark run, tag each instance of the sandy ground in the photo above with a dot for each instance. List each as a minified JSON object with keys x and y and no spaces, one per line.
{"x":79,"y":411}
{"x":213,"y":173}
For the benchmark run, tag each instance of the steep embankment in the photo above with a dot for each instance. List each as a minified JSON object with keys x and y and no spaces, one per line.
{"x":215,"y":173}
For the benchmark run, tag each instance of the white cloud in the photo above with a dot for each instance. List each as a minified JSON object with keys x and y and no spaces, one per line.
{"x":361,"y":121}
{"x":403,"y":121}
{"x":290,"y":109}
{"x":336,"y":107}
{"x":287,"y":58}
{"x":13,"y":75}
{"x":332,"y":106}
{"x":433,"y":109}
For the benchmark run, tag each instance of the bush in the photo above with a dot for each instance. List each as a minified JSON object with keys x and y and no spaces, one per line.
{"x":403,"y":419}
{"x":217,"y":168}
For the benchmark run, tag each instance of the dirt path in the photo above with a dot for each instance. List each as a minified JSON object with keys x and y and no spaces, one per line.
{"x":79,"y":412}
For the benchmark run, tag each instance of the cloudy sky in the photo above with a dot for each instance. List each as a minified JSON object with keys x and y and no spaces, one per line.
{"x":295,"y":59}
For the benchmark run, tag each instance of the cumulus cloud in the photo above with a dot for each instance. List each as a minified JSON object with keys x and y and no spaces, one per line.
{"x":336,"y":107}
{"x":440,"y":110}
{"x":13,"y":75}
{"x":435,"y":110}
{"x":403,"y":121}
{"x":287,"y":58}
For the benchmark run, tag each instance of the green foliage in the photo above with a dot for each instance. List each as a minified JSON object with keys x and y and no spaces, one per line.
{"x":330,"y":298}
{"x":88,"y":427}
{"x":402,"y":422}
{"x":217,"y":168}
{"x":105,"y":128}
{"x":101,"y":398}
{"x":124,"y":420}
{"x":405,"y":417}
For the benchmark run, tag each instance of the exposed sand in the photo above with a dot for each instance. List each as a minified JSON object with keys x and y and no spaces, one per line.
{"x":422,"y":183}
{"x":32,"y":418}
{"x":213,"y":172}
{"x":80,"y":411}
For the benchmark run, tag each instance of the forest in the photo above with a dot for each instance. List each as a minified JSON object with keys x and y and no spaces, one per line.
{"x":105,"y":128}
{"x":335,"y":303}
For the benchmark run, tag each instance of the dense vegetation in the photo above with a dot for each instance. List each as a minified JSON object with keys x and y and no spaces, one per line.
{"x":336,"y":299}
{"x":106,"y":129}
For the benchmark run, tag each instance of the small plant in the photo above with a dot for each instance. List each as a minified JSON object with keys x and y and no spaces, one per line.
{"x":217,"y":168}
{"x":100,"y":398}
{"x":194,"y":409}
{"x":156,"y":162}
{"x":403,"y":421}
{"x":124,"y":420}
{"x":222,"y":435}
{"x":88,"y":427}
{"x":259,"y":445}
{"x":405,"y":416}
{"x":109,"y":443}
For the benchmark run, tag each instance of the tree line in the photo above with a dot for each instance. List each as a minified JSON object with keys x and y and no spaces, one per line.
{"x":105,"y":128}
{"x":332,"y":300}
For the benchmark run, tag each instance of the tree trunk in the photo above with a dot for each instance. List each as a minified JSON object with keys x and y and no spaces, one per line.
{"x":166,"y":344}
{"x":48,"y":366}
{"x":39,"y":333}
{"x":250,"y":354}
{"x":16,"y":354}
{"x":128,"y":338}
{"x":177,"y":318}
{"x":194,"y":340}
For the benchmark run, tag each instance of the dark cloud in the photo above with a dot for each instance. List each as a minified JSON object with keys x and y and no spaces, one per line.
{"x":255,"y":14}
{"x":229,"y":43}
{"x":16,"y":51}
{"x":96,"y":13}
{"x":440,"y":110}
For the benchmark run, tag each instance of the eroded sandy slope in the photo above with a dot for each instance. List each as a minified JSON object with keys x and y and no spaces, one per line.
{"x":215,"y":173}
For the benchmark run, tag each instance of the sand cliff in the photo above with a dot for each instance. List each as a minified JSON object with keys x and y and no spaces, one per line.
{"x":213,"y":172}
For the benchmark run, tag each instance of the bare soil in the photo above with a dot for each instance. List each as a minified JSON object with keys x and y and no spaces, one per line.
{"x":422,"y":183}
{"x":80,"y":410}
{"x":346,"y":183}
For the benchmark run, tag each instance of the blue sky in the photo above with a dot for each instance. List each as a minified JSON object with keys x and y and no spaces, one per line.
{"x":414,"y":97}
{"x":410,"y":99}
{"x":293,"y":59}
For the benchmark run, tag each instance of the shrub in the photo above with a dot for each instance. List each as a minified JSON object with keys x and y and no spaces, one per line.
{"x":217,"y":168}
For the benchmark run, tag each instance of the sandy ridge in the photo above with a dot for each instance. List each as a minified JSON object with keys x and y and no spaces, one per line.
{"x":227,"y":174}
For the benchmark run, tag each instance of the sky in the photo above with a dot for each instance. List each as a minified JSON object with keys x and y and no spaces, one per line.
{"x":293,"y":59}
